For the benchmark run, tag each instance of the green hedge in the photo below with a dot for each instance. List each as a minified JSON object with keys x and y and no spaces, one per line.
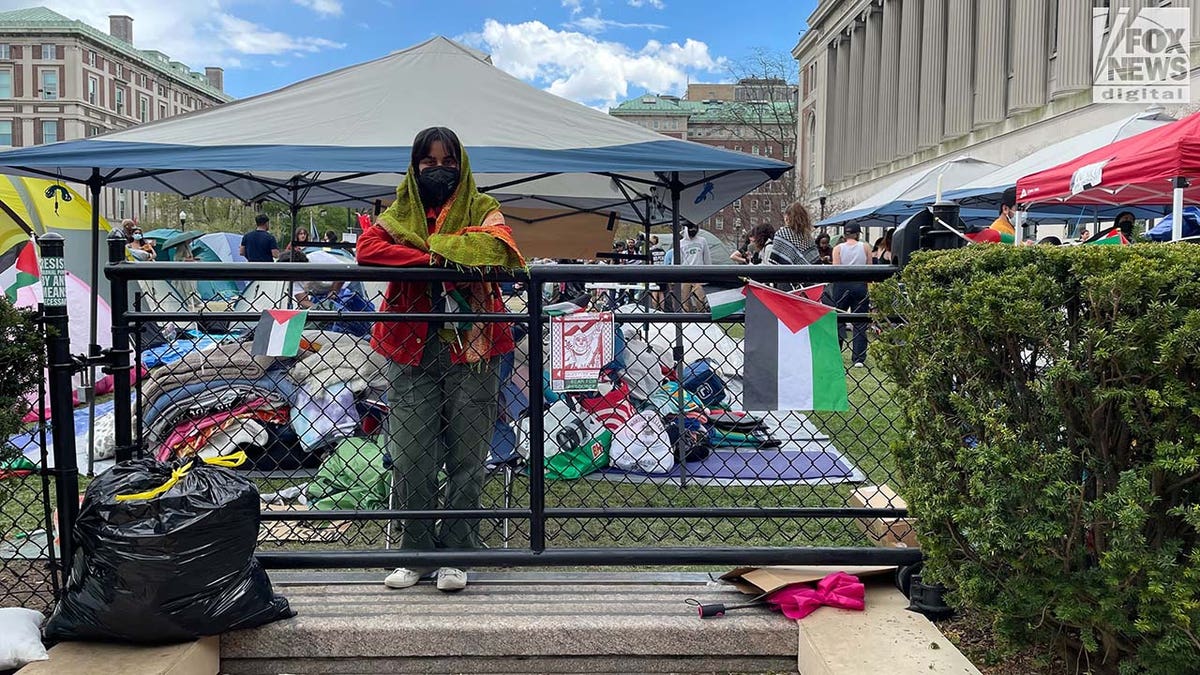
{"x":20,"y":368}
{"x":1051,"y":410}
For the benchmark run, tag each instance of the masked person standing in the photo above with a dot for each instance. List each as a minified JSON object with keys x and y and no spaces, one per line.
{"x":443,"y":377}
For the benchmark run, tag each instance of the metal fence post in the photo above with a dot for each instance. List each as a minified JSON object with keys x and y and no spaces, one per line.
{"x":537,"y":409}
{"x":62,"y":413}
{"x":119,"y":361}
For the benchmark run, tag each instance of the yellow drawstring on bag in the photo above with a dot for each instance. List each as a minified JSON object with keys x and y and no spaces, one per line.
{"x":227,"y":461}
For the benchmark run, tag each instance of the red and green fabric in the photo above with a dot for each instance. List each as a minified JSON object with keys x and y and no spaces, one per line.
{"x":18,"y":269}
{"x":588,"y":457}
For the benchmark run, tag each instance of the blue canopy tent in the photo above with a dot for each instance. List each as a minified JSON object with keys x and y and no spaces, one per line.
{"x":343,"y":138}
{"x":901,"y":198}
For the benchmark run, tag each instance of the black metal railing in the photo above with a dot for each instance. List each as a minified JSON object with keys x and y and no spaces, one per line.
{"x":784,"y":490}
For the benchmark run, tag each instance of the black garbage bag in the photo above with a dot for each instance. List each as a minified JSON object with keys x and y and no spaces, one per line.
{"x":167,"y":565}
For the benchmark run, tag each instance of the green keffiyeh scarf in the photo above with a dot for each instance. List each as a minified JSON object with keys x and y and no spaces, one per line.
{"x":470,"y":230}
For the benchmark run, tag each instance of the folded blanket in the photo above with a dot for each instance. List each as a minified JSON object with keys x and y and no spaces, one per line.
{"x":225,"y":361}
{"x":339,"y":358}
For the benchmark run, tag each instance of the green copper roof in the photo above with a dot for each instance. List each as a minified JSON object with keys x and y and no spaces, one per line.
{"x":42,"y":20}
{"x":699,"y":112}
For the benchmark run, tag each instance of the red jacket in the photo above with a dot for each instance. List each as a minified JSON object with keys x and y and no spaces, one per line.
{"x":404,"y":341}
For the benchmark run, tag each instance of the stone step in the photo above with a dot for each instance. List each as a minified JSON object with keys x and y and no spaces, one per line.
{"x":514,"y":624}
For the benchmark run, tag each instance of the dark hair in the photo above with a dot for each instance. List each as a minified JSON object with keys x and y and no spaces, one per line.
{"x":823,"y":235}
{"x":761,"y":234}
{"x":330,"y":236}
{"x":1050,"y":241}
{"x":300,"y":231}
{"x":426,"y":138}
{"x":1009,"y":199}
{"x":887,"y":237}
{"x":261,"y":219}
{"x":292,"y":255}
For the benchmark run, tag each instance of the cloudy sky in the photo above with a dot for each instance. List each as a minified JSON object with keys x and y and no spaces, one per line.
{"x":597,"y":52}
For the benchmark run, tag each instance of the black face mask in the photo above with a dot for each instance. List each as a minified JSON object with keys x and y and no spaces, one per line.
{"x":436,"y":184}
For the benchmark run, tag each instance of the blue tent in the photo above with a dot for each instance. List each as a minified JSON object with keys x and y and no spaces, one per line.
{"x":1191,"y":225}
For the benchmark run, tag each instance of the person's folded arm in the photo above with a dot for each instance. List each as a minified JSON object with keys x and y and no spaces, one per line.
{"x":376,"y":247}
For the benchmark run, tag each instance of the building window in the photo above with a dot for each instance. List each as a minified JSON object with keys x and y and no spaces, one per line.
{"x":5,"y":52}
{"x":47,"y":52}
{"x":754,"y":204}
{"x":737,"y":148}
{"x":93,"y":130}
{"x":654,"y":124}
{"x":120,"y":72}
{"x":120,"y":100}
{"x":92,"y":58}
{"x":93,"y":87}
{"x":6,"y":132}
{"x":143,"y":109}
{"x":49,"y":131}
{"x":121,"y":203}
{"x":754,"y":149}
{"x":50,"y":85}
{"x":753,"y":222}
{"x":787,"y":151}
{"x":6,"y":79}
{"x":737,"y":203}
{"x":720,"y":223}
{"x":766,"y":204}
{"x":162,"y":110}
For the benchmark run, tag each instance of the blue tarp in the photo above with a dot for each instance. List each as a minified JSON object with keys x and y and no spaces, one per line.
{"x":1191,"y":225}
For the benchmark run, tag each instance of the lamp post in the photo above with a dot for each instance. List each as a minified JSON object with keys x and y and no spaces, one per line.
{"x":822,"y":195}
{"x":182,"y":220}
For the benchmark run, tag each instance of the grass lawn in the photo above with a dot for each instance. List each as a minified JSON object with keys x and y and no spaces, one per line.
{"x":862,"y":434}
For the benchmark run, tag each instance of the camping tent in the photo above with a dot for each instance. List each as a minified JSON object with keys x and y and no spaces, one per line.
{"x":903,"y":197}
{"x":985,"y":192}
{"x":1156,"y":167}
{"x":33,"y":207}
{"x":341,"y":138}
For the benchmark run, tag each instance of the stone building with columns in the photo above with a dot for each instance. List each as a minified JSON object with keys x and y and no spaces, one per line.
{"x":892,"y":86}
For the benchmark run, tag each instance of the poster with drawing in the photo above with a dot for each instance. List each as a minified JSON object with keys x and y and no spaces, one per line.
{"x":580,"y":345}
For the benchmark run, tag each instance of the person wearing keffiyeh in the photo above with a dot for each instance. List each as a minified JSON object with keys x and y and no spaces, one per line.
{"x":443,"y":378}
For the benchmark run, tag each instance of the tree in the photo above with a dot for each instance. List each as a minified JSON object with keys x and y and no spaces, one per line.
{"x":766,"y":110}
{"x":216,"y":214}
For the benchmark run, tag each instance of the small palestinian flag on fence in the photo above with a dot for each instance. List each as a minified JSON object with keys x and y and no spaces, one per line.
{"x":726,"y":301}
{"x":18,"y":269}
{"x":793,"y":359}
{"x":279,"y":332}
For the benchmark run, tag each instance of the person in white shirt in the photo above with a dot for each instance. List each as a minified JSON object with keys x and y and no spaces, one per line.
{"x":852,"y":296}
{"x":693,"y":250}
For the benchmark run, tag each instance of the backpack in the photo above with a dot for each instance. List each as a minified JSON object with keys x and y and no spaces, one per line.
{"x":702,"y":379}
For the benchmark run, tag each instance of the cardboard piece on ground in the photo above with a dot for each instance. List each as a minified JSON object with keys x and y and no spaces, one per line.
{"x":314,"y":531}
{"x":759,"y":580}
{"x":888,"y":532}
{"x":202,"y":657}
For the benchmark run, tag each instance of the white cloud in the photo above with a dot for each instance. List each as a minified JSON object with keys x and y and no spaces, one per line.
{"x":576,"y":6}
{"x":197,"y":32}
{"x":582,"y":68}
{"x":656,"y":4}
{"x":596,"y":24}
{"x":322,"y":7}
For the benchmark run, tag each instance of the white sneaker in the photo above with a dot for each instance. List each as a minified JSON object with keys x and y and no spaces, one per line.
{"x":403,"y":578}
{"x":451,"y":579}
{"x":859,"y":364}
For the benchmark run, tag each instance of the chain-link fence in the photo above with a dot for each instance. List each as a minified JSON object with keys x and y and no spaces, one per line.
{"x":447,"y":440}
{"x":28,"y":569}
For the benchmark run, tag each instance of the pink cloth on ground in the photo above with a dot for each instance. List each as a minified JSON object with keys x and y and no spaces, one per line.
{"x":836,"y":590}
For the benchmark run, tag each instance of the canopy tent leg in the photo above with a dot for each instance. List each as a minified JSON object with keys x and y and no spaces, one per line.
{"x":677,"y":291}
{"x":1178,"y":183}
{"x":94,"y":184}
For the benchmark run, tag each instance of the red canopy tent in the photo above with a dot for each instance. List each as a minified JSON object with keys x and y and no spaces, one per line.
{"x":1156,"y":167}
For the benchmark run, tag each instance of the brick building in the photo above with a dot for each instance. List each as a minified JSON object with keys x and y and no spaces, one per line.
{"x":61,"y":79}
{"x":755,"y":116}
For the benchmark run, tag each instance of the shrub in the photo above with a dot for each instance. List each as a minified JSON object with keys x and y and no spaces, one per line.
{"x":20,"y":368}
{"x":1051,"y":413}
